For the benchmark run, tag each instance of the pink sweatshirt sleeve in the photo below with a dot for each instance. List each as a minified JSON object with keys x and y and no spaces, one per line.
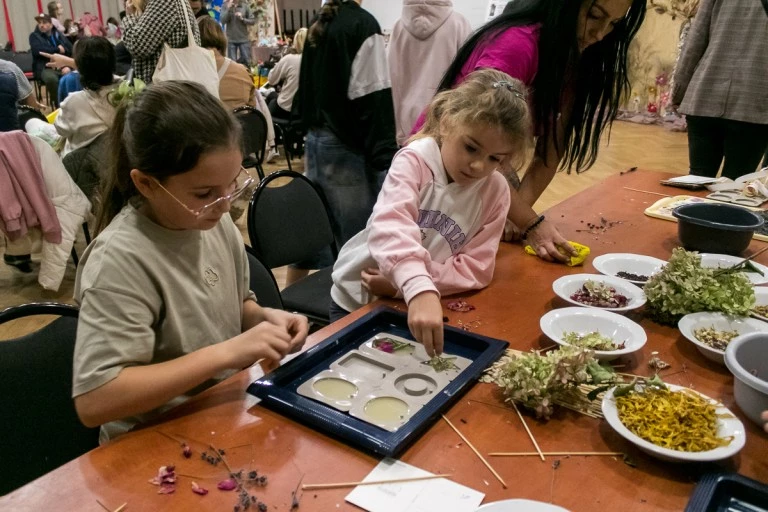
{"x":472,"y":268}
{"x":394,"y":238}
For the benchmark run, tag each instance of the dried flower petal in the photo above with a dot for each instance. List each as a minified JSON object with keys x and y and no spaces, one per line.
{"x":165,"y":475}
{"x":198,"y":490}
{"x":167,"y":489}
{"x":227,"y":485}
{"x":186,"y":450}
{"x":461,"y":306}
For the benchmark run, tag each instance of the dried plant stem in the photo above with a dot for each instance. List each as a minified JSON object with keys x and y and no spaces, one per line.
{"x":530,"y":434}
{"x":556,"y":454}
{"x":121,"y":507}
{"x":104,"y":506}
{"x":313,"y":487}
{"x":472,"y":447}
{"x":118,"y":509}
{"x":195,"y":477}
{"x":647,"y":192}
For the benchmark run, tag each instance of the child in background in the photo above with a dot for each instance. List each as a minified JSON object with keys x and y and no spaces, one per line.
{"x":165,"y":306}
{"x":436,"y":225}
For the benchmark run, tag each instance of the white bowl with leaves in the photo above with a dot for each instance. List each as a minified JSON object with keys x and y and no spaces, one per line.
{"x":599,"y":292}
{"x":635,"y":268}
{"x":711,"y":332}
{"x":760,"y":309}
{"x":608,"y":334}
{"x":721,"y":437}
{"x":755,"y":272}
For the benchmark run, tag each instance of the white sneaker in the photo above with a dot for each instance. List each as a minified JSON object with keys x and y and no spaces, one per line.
{"x":271,"y":155}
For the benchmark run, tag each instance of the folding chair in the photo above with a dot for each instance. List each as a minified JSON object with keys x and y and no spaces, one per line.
{"x":254,"y":137}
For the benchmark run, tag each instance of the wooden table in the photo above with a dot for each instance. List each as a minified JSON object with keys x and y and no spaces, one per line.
{"x":510,"y":308}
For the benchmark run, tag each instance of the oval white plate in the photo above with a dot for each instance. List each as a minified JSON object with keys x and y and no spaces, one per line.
{"x":761,"y":299}
{"x":723,"y":260}
{"x":585,"y":320}
{"x":611,"y":264}
{"x":520,"y":506}
{"x":730,"y":426}
{"x":720,"y":321}
{"x":568,"y":285}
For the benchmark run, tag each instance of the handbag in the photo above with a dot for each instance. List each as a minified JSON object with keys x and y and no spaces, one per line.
{"x":192,"y":64}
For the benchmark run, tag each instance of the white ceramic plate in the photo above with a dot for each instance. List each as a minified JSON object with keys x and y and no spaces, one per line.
{"x":729,"y":426}
{"x":723,"y":261}
{"x":520,"y":506}
{"x":568,"y":285}
{"x":761,"y":299}
{"x":611,"y":264}
{"x":722,"y":322}
{"x":585,"y":320}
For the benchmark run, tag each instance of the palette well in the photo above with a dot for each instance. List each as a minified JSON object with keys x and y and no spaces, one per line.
{"x":380,"y":401}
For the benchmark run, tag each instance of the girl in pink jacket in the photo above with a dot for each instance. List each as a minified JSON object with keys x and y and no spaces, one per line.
{"x":436,"y":225}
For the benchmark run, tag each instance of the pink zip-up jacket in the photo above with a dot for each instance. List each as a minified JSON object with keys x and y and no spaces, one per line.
{"x":24,"y":201}
{"x":425,"y":234}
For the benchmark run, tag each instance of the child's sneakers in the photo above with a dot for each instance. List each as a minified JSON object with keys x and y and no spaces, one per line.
{"x":22,"y":263}
{"x":271,"y":155}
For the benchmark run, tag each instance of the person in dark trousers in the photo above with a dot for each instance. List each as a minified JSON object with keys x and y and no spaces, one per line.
{"x":237,"y":16}
{"x":345,"y":103}
{"x":721,"y":84}
{"x":47,"y":39}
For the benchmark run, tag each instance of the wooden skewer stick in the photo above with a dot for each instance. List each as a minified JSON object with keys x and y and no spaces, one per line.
{"x":758,"y":253}
{"x":482,"y":459}
{"x":313,"y":487}
{"x":530,"y":434}
{"x":104,"y":506}
{"x":556,"y":454}
{"x":647,"y":192}
{"x":121,"y":507}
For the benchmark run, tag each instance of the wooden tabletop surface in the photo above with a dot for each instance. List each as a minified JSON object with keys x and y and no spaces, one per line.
{"x":521,"y":292}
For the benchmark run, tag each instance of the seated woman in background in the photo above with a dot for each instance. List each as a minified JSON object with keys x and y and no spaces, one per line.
{"x":236,"y":88}
{"x":87,"y":114}
{"x":286,"y":72}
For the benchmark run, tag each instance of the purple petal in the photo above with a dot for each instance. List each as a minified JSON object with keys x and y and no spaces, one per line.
{"x":227,"y":485}
{"x":198,"y":490}
{"x":186,"y":450}
{"x":167,"y":489}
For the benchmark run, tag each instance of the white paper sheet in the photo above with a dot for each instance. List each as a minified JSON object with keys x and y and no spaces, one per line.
{"x":438,"y":495}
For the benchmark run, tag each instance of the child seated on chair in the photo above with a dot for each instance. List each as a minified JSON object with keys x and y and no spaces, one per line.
{"x":165,"y":309}
{"x":436,"y":225}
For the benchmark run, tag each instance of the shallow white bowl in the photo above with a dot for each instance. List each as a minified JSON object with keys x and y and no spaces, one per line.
{"x":761,"y":299}
{"x":722,"y":322}
{"x":729,"y":426}
{"x":585,"y":320}
{"x":724,"y":261}
{"x":568,"y":285}
{"x":518,"y":505}
{"x":611,"y":264}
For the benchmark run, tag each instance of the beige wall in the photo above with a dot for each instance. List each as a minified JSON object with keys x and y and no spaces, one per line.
{"x":654,"y":50}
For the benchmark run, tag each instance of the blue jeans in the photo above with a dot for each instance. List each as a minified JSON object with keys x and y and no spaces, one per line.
{"x":349,"y":186}
{"x":243,"y":48}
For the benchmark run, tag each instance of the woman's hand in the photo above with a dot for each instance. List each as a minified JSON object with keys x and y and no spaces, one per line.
{"x":546,"y":239}
{"x":58,"y":61}
{"x":425,"y":320}
{"x":377,"y":284}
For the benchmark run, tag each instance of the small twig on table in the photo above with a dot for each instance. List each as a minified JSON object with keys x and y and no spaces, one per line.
{"x":104,"y":506}
{"x":556,"y":454}
{"x":118,"y":509}
{"x":530,"y":434}
{"x":313,"y":487}
{"x":472,"y":447}
{"x":647,"y":192}
{"x":631,"y":169}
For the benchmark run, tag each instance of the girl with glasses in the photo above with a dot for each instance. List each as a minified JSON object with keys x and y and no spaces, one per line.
{"x":165,"y":306}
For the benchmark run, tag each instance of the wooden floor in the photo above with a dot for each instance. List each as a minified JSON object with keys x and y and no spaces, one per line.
{"x":630,"y":145}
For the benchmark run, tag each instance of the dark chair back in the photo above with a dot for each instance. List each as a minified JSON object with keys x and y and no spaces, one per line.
{"x":40,"y":429}
{"x":23,"y":60}
{"x":289,"y":223}
{"x":263,"y":283}
{"x":254,"y":136}
{"x":87,"y":165}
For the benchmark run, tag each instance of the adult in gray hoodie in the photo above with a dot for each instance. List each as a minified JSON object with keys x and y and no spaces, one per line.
{"x":424,"y":42}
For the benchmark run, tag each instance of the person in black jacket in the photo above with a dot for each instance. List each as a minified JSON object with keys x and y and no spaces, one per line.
{"x":46,"y":39}
{"x":345,"y":102}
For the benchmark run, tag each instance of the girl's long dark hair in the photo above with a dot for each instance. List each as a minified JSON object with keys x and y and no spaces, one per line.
{"x":598,"y":76}
{"x":324,"y":17}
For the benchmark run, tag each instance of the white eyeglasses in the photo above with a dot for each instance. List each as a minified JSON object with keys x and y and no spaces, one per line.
{"x":239,"y":189}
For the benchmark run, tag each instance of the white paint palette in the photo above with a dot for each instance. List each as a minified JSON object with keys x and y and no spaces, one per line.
{"x":384,"y":381}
